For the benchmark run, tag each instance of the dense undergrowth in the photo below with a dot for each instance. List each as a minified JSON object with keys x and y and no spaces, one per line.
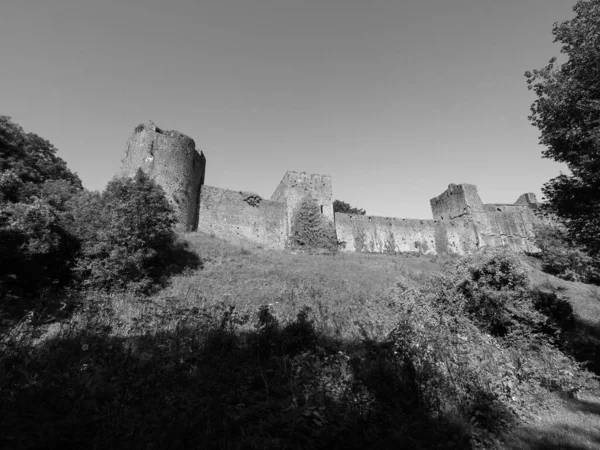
{"x":294,"y":351}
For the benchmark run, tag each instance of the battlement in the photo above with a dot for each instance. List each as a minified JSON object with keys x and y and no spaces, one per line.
{"x":462,"y":222}
{"x":455,"y":202}
{"x":528,"y":200}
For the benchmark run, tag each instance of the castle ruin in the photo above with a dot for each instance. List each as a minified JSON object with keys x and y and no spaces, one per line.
{"x":461,"y":223}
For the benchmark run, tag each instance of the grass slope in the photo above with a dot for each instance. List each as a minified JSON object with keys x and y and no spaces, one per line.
{"x":195,"y":366}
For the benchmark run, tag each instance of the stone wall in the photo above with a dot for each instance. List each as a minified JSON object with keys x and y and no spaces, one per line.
{"x":458,"y":200}
{"x":455,"y":237}
{"x":358,"y":233}
{"x":242,"y":217}
{"x":490,"y":225}
{"x":506,"y":225}
{"x":170,"y":158}
{"x":461,"y":223}
{"x":295,"y":186}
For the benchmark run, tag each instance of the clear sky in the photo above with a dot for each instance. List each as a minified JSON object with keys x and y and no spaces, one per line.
{"x":395,"y":99}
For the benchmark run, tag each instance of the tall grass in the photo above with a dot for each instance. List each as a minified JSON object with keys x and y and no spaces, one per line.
{"x":266,"y":349}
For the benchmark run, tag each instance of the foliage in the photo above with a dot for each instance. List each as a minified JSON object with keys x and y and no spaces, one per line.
{"x":343,"y":207}
{"x":31,"y":158}
{"x":480,"y":341}
{"x":36,"y":248}
{"x":37,"y":252}
{"x":567,"y":112}
{"x":326,"y":364}
{"x":127,"y":235}
{"x":310,"y":230}
{"x":563,"y":258}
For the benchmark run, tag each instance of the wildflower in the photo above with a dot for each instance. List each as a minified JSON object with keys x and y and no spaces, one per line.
{"x":85,"y":347}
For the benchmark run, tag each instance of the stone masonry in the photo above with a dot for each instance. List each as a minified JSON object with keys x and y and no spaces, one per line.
{"x":171,"y":159}
{"x":461,"y":223}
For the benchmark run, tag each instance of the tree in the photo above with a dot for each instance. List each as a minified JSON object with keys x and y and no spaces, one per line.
{"x":310,"y":229}
{"x":343,"y":207}
{"x":36,"y":249}
{"x":567,"y":113}
{"x":32,"y":158}
{"x":127,"y":234}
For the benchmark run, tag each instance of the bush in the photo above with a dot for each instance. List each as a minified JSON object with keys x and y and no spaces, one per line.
{"x":310,"y":229}
{"x":32,"y":158}
{"x":36,"y":248}
{"x":343,"y":207}
{"x":479,"y":344}
{"x":37,"y":251}
{"x":127,"y":235}
{"x":563,"y":258}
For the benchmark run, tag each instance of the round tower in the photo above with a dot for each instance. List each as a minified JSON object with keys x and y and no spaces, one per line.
{"x":170,"y":158}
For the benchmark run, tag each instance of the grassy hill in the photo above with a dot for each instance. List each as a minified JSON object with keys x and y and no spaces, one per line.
{"x":288,"y":349}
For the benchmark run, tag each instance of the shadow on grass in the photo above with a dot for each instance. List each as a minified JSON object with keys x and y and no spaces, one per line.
{"x":585,"y":407}
{"x":58,"y":304}
{"x":579,"y":337}
{"x":558,"y":437}
{"x":202,"y":386}
{"x":584,"y":344}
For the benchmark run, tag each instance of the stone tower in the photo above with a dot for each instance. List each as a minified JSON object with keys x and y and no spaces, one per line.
{"x":170,"y":158}
{"x":295,"y":186}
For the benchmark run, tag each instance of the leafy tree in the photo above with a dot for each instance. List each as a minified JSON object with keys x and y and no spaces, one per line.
{"x":127,"y":234}
{"x":563,"y":258}
{"x":567,"y":112}
{"x":32,"y":158}
{"x":310,"y":229}
{"x":36,"y":249}
{"x":343,"y":207}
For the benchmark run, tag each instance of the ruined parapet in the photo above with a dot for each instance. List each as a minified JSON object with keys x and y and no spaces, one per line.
{"x":476,"y":225}
{"x":296,"y":186}
{"x":528,"y":200}
{"x":458,"y":201}
{"x":170,"y":158}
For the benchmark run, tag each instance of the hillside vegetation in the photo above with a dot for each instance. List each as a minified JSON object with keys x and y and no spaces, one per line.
{"x":289,"y":349}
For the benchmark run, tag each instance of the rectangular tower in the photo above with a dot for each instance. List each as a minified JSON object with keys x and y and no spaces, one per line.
{"x":295,"y":186}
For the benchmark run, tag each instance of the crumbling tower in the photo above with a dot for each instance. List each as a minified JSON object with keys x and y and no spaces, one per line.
{"x":170,"y":158}
{"x":295,"y":186}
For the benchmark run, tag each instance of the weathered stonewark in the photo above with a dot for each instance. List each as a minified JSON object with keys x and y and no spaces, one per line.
{"x":295,"y":186}
{"x":358,"y":233}
{"x":242,"y":217}
{"x":461,"y":223}
{"x":487,"y":225}
{"x":171,"y":159}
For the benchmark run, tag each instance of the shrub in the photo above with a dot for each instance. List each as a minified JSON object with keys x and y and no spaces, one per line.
{"x":37,"y":251}
{"x":310,"y":229}
{"x":36,"y":248}
{"x":32,"y":158}
{"x":127,"y":235}
{"x":343,"y":207}
{"x":481,"y":345}
{"x":496,"y":293}
{"x":563,"y":258}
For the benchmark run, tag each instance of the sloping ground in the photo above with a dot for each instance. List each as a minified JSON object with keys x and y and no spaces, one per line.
{"x":339,"y":288}
{"x":572,"y":423}
{"x":126,"y":372}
